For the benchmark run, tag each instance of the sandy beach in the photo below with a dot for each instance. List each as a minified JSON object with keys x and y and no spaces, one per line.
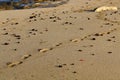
{"x":67,"y":42}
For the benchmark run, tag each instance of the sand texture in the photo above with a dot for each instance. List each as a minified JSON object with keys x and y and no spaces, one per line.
{"x":68,"y":42}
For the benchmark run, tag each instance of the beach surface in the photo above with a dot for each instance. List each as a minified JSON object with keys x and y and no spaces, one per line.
{"x":68,"y":42}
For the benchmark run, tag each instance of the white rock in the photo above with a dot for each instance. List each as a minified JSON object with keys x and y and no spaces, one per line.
{"x":106,"y":8}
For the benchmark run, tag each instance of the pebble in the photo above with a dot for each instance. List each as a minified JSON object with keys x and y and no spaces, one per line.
{"x":13,"y":64}
{"x":26,"y":56}
{"x":43,"y":50}
{"x":59,"y":66}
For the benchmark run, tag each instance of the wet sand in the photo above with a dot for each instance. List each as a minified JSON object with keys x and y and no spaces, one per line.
{"x":68,"y":42}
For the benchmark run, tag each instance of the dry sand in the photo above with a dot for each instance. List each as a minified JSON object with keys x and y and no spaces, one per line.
{"x":69,"y":42}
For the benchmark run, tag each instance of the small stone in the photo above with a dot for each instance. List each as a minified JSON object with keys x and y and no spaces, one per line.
{"x":6,"y":44}
{"x":80,"y":50}
{"x":66,"y":22}
{"x":74,"y":72}
{"x":35,"y":19}
{"x":26,"y":56}
{"x":32,"y":17}
{"x":3,"y":22}
{"x":16,"y":23}
{"x":88,"y":18}
{"x":5,"y":34}
{"x":18,"y":42}
{"x":97,"y":34}
{"x":18,"y":38}
{"x":75,"y":40}
{"x":15,"y":49}
{"x":64,"y":64}
{"x":72,"y":64}
{"x":92,"y":54}
{"x":113,"y":37}
{"x":43,"y":50}
{"x":54,"y":21}
{"x":81,"y":29}
{"x":59,"y":66}
{"x":108,"y":32}
{"x":58,"y":44}
{"x":109,"y":40}
{"x":8,"y":63}
{"x":91,"y":45}
{"x":93,"y":38}
{"x":13,"y":64}
{"x":109,"y":52}
{"x":81,"y":60}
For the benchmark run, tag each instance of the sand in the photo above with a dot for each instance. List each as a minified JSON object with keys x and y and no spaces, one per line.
{"x":68,"y":42}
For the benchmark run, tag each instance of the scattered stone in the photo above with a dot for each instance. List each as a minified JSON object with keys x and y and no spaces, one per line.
{"x":44,"y":50}
{"x":88,"y":18}
{"x":31,"y":17}
{"x":26,"y":56}
{"x":109,"y":52}
{"x":98,"y":34}
{"x":5,"y":34}
{"x":109,"y":40}
{"x":72,"y":64}
{"x":8,"y":63}
{"x":108,"y":32}
{"x":92,"y":54}
{"x":18,"y":42}
{"x":81,"y":60}
{"x":74,"y":72}
{"x":13,"y":64}
{"x":93,"y":38}
{"x":81,"y":28}
{"x":80,"y":50}
{"x":15,"y":49}
{"x":106,"y":8}
{"x":6,"y":44}
{"x":59,"y":44}
{"x":64,"y":64}
{"x":113,"y":37}
{"x":59,"y":66}
{"x":16,"y":23}
{"x":75,"y":40}
{"x":91,"y":45}
{"x":54,"y":21}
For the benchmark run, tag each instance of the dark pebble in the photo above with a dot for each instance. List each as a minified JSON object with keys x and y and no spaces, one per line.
{"x":59,"y":66}
{"x":5,"y":34}
{"x":92,"y":54}
{"x":72,"y":64}
{"x":93,"y":38}
{"x":6,"y":44}
{"x":109,"y":52}
{"x":15,"y":49}
{"x":54,"y":21}
{"x":74,"y":72}
{"x":31,"y":17}
{"x":81,"y":29}
{"x":80,"y":50}
{"x":18,"y":42}
{"x":16,"y":23}
{"x":109,"y":40}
